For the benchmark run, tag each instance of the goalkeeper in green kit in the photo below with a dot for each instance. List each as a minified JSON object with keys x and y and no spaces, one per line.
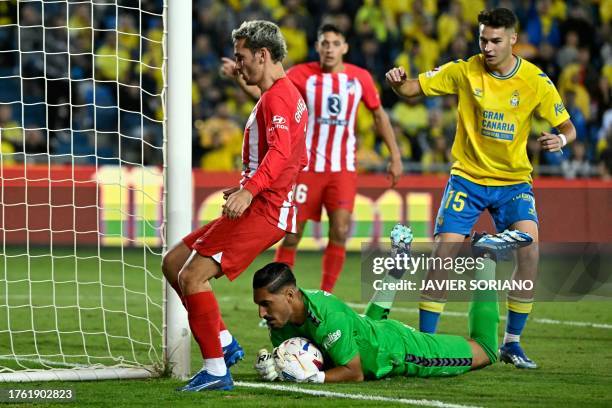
{"x":358,"y":347}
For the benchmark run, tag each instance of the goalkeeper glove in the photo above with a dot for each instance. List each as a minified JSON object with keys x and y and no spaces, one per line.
{"x":289,"y":368}
{"x":265,"y":366}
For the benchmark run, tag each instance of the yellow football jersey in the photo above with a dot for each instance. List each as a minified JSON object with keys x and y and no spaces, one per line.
{"x":494,"y":116}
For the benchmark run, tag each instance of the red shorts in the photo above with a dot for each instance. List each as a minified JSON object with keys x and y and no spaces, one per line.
{"x":331,"y":189}
{"x":234,"y":244}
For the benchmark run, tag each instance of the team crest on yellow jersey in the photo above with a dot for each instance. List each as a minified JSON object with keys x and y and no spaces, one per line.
{"x":514,"y":101}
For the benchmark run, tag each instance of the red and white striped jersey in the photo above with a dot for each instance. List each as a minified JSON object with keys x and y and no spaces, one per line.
{"x":274,"y":151}
{"x":332,"y":100}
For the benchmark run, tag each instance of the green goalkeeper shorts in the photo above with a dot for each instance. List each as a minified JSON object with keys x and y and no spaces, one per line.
{"x":434,"y":355}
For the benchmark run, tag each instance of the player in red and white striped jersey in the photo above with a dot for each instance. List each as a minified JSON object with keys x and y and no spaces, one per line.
{"x":332,"y":90}
{"x":257,"y":214}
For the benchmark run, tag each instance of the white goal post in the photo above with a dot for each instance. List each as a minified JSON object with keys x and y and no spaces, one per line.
{"x":95,"y":185}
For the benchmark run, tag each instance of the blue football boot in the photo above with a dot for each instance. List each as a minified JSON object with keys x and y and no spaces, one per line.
{"x":203,"y":381}
{"x":499,"y":245}
{"x":512,"y":353}
{"x":232,"y":353}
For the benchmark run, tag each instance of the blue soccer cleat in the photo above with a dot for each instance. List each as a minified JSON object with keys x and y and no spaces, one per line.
{"x":512,"y":353}
{"x":499,"y":245}
{"x":203,"y":381}
{"x":232,"y":353}
{"x":401,"y":239}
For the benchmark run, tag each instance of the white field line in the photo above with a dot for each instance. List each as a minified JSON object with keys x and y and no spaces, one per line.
{"x":363,"y":397}
{"x":540,"y":320}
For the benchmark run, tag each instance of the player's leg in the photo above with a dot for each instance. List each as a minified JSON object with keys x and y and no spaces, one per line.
{"x":338,"y":199}
{"x":380,"y":305}
{"x":286,"y":251}
{"x":520,"y":303}
{"x":446,"y":245}
{"x":227,"y":247}
{"x":172,"y":263}
{"x":516,"y":211}
{"x":483,"y":315}
{"x":204,"y":320}
{"x":335,"y":252}
{"x":308,"y":195}
{"x":484,"y":310}
{"x":461,"y":205}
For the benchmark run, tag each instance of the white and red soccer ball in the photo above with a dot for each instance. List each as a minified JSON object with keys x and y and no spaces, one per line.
{"x":309,"y":356}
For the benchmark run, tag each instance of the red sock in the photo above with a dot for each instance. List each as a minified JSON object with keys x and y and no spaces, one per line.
{"x":204,"y":321}
{"x":285,"y":255}
{"x":333,"y":261}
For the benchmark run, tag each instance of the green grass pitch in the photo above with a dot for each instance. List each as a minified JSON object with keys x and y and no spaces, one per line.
{"x":575,"y":361}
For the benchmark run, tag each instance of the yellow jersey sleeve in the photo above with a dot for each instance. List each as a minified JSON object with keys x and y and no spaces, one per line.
{"x":551,"y":106}
{"x":443,"y":80}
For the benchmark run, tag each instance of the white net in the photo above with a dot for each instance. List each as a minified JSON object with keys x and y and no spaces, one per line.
{"x":82,"y":130}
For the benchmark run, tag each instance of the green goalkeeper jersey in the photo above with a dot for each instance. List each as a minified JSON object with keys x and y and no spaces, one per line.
{"x":341,"y":333}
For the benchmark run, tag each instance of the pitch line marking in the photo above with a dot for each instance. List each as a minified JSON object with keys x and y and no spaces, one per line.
{"x":364,"y":397}
{"x":536,"y":319}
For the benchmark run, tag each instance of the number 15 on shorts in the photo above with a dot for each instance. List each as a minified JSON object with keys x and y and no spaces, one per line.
{"x":457,"y":198}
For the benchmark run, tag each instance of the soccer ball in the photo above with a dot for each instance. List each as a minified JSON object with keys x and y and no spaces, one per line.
{"x":309,"y":356}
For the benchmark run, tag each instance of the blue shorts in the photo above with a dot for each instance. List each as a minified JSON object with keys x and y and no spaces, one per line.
{"x":463,"y":202}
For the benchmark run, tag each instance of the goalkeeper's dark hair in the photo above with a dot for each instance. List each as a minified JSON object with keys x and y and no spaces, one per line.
{"x":329,"y":28}
{"x":497,"y":18}
{"x":274,"y":276}
{"x":260,"y":34}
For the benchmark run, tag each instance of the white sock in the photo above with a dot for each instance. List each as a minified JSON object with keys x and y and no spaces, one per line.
{"x":509,"y":338}
{"x":226,"y":338}
{"x":215,"y":366}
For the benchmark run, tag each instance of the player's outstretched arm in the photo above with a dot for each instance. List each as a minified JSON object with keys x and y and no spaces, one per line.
{"x":553,"y":143}
{"x":384,"y":129}
{"x":228,"y":69}
{"x":401,"y":84}
{"x":350,"y":372}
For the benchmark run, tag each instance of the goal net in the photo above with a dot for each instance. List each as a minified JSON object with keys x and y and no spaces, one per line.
{"x":82,"y":134}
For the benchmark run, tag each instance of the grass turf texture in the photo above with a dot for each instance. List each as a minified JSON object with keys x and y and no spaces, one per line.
{"x":575,"y":362}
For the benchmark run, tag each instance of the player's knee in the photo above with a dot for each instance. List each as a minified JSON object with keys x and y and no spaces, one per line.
{"x":339,"y":233}
{"x":173,"y":261}
{"x":444,"y":250}
{"x":529,"y":255}
{"x":483,"y":354}
{"x":189,"y":275}
{"x":168,"y":268}
{"x":291,"y":241}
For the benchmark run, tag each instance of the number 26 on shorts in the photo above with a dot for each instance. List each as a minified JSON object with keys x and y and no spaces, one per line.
{"x":301,"y":192}
{"x":458,"y":200}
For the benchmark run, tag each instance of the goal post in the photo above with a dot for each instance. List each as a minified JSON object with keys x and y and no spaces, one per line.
{"x":95,"y":186}
{"x":178,"y":176}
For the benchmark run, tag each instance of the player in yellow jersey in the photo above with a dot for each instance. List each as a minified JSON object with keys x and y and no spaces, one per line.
{"x":498,"y":93}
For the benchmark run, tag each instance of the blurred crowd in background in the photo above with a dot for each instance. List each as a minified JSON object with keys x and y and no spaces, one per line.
{"x":569,"y":40}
